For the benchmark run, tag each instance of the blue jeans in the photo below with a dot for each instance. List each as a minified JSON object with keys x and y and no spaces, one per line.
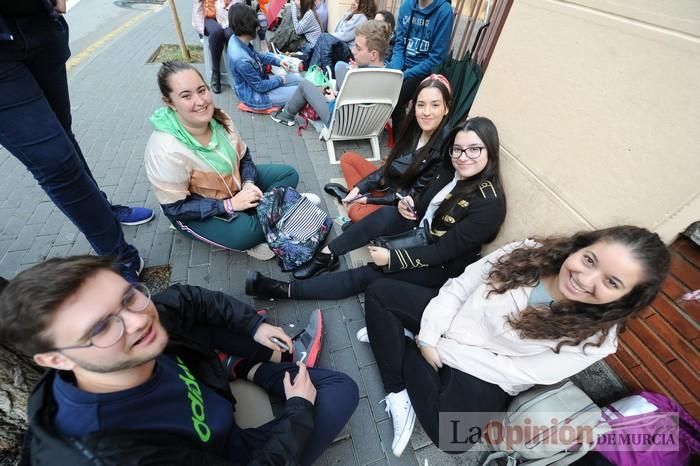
{"x":279,"y":96}
{"x":35,"y":127}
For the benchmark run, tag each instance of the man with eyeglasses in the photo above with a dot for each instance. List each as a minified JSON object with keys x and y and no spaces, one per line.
{"x":134,"y":378}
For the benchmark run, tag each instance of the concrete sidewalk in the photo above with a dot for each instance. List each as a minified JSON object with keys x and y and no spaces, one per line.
{"x":113,"y":93}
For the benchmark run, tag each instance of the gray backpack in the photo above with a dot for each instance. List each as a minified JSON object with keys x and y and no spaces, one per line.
{"x":569,"y":421}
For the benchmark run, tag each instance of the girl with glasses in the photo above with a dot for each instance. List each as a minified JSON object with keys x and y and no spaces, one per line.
{"x":464,"y":206}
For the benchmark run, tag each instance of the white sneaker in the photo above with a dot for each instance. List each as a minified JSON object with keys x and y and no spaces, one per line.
{"x":261,"y":252}
{"x":363,"y":337}
{"x":399,"y":407}
{"x":312,"y":197}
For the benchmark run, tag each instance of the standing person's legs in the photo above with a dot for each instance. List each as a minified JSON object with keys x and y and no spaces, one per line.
{"x":448,"y":390}
{"x":215,"y":36}
{"x":336,"y":400}
{"x":391,"y":306}
{"x":47,"y":65}
{"x":31,"y":131}
{"x":408,"y":88}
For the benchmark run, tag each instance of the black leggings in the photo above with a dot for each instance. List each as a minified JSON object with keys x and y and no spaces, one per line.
{"x":350,"y":282}
{"x":391,"y":306}
{"x":217,"y":37}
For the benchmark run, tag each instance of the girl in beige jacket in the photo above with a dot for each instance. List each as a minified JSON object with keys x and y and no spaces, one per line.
{"x":532,"y":312}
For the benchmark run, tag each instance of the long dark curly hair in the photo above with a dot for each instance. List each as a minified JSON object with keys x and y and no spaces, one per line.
{"x":573,"y":322}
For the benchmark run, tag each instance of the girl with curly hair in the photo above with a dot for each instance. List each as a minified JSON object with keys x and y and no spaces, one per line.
{"x":532,"y":312}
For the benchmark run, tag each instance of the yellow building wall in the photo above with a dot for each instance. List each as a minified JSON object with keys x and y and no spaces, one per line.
{"x":336,"y":9}
{"x":597,"y":103}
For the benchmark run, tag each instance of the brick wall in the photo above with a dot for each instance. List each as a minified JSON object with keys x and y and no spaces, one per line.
{"x":659,"y":351}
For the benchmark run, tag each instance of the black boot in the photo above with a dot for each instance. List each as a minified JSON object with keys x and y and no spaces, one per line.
{"x":264,"y":287}
{"x":216,"y":82}
{"x":320,"y":263}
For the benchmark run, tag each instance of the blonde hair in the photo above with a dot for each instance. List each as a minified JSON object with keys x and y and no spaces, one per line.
{"x":377,"y":35}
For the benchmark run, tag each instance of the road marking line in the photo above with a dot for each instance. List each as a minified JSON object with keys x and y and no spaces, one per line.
{"x":102,"y":41}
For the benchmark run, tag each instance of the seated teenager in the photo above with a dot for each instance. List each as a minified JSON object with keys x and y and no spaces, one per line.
{"x":420,"y":46}
{"x":411,"y":163}
{"x":200,"y":169}
{"x":370,"y":45}
{"x":531,"y":313}
{"x":132,"y":377}
{"x":253,"y":87}
{"x":389,"y":19}
{"x":336,"y":46}
{"x":464,"y":206}
{"x":309,"y":25}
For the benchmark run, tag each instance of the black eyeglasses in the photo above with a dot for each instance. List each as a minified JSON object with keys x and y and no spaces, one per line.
{"x":110,"y":330}
{"x":472,"y":152}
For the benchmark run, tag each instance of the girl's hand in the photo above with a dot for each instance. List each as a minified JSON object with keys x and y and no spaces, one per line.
{"x":380,"y":256}
{"x":246,"y":199}
{"x":354,"y":192}
{"x":249,"y":185}
{"x":430,"y":354}
{"x":406,"y":206}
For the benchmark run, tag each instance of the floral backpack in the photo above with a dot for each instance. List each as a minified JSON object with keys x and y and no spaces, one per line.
{"x":294,"y":227}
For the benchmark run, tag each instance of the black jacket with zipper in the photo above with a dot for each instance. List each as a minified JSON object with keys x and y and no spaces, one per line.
{"x":186,"y":312}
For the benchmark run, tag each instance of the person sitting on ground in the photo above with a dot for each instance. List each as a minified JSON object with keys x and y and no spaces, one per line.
{"x":410,"y":165}
{"x":420,"y":46}
{"x":464,"y":206}
{"x":200,"y":169}
{"x":530,"y":313}
{"x":389,"y":19}
{"x":204,"y":21}
{"x":309,"y":25}
{"x":132,"y":377}
{"x":336,"y":46}
{"x":252,"y":86}
{"x":370,"y":45}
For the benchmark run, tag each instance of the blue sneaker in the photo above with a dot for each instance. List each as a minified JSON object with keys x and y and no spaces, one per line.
{"x":132,"y":215}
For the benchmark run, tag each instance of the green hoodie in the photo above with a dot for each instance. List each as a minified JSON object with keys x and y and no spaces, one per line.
{"x":219,"y":154}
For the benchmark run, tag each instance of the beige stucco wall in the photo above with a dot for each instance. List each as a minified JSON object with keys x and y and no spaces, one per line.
{"x":336,"y":9}
{"x":598,"y":108}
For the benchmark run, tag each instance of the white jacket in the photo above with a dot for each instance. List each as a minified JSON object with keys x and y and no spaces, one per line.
{"x":471,"y":334}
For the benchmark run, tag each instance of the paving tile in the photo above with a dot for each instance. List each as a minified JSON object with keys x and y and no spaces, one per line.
{"x":341,"y":454}
{"x":336,"y":333}
{"x":345,"y":361}
{"x":386,"y":434}
{"x":365,"y":435}
{"x":375,"y":391}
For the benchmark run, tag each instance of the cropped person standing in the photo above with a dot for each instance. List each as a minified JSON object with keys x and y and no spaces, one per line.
{"x":422,"y":41}
{"x":204,"y":21}
{"x":35,"y":127}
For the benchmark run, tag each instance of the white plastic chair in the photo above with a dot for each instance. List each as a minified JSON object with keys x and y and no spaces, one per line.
{"x":363,"y":106}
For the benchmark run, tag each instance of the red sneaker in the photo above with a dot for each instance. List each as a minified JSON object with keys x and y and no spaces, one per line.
{"x":307,"y":345}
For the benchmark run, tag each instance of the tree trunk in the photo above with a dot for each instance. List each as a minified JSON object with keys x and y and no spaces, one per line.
{"x":18,"y":374}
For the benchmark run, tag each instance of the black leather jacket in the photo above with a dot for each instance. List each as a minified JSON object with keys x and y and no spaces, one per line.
{"x":186,"y":313}
{"x":376,"y":181}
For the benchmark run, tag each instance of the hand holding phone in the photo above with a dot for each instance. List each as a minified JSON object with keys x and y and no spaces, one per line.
{"x":283,"y":346}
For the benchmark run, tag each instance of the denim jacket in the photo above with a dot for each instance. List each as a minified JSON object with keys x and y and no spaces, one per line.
{"x":250,"y":82}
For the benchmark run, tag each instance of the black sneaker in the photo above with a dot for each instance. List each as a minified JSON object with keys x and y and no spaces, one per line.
{"x":281,"y":116}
